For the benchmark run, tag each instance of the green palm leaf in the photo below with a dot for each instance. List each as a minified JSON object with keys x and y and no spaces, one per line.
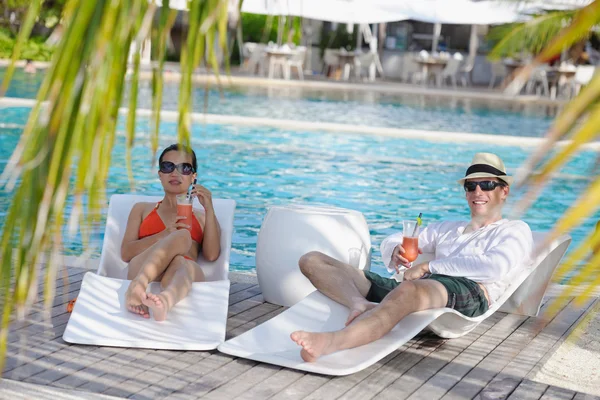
{"x":531,"y":36}
{"x":67,"y":143}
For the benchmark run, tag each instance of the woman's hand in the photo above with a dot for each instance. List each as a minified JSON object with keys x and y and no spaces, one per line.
{"x":398,"y":258}
{"x":177,"y":224}
{"x":204,"y":196}
{"x":416,"y":272}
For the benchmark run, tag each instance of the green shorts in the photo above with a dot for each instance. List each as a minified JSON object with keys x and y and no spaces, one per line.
{"x":464,"y":295}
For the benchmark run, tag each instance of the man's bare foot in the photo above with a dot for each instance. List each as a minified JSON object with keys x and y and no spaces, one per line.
{"x":136,"y":293}
{"x":314,"y":345}
{"x":358,"y":309}
{"x":158,"y":304}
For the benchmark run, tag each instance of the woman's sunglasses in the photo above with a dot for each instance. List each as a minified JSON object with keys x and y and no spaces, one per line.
{"x":486,"y":186}
{"x":166,"y":167}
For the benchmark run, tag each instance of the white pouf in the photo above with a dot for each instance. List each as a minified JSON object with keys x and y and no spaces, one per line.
{"x":288,"y":232}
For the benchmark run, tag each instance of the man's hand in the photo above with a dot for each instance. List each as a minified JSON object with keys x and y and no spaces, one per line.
{"x":398,"y":258}
{"x":416,"y":272}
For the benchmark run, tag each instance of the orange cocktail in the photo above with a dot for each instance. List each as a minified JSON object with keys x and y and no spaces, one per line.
{"x":411,"y":248}
{"x":184,"y":209}
{"x":410,"y":240}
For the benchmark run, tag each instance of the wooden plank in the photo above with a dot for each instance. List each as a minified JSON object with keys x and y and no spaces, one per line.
{"x":302,"y":387}
{"x":238,"y":287}
{"x":90,"y":372}
{"x":272,"y":385}
{"x":556,"y":393}
{"x":536,"y":339}
{"x":243,"y":295}
{"x":585,"y":396}
{"x":412,"y":381}
{"x":105,"y":380}
{"x":454,"y":370}
{"x":213,"y":376}
{"x":496,"y":360}
{"x":137,"y":376}
{"x":395,"y":368}
{"x":240,"y":384}
{"x":245,"y":305}
{"x":339,"y":385}
{"x":528,"y":390}
{"x":253,"y":323}
{"x":250,"y":315}
{"x":48,"y":362}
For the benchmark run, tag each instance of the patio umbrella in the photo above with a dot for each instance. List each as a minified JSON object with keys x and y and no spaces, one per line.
{"x":340,"y":11}
{"x":464,"y":12}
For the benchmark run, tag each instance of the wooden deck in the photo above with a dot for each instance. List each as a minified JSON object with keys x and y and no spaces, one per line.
{"x":492,"y":362}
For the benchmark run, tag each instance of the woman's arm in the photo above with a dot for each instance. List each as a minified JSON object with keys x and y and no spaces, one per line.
{"x":132,"y":245}
{"x":211,"y":243}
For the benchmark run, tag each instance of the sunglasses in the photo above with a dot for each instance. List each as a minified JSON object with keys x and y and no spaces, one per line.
{"x":486,"y":186}
{"x":166,"y":167}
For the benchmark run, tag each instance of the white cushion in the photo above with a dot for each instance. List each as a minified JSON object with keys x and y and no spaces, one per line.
{"x":100,"y":318}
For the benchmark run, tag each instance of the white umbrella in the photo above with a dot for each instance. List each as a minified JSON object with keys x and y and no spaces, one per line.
{"x":465,"y":12}
{"x":341,"y":11}
{"x":534,"y":6}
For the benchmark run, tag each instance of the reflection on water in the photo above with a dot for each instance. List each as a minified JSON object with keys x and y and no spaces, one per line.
{"x":355,"y":107}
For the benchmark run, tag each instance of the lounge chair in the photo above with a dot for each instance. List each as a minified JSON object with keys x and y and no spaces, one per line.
{"x":198,"y":322}
{"x":271,"y":343}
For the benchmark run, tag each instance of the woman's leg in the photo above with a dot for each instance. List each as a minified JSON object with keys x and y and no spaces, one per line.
{"x":176,"y":284}
{"x":150,"y":264}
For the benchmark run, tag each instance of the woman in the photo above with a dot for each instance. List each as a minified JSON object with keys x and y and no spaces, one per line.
{"x":161,"y":246}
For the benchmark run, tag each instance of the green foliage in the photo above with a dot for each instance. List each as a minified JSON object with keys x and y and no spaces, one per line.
{"x":338,"y":38}
{"x":263,"y":28}
{"x":530,"y":37}
{"x":33,"y":49}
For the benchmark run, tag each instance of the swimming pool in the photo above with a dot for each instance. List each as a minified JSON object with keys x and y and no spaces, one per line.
{"x":367,"y":108}
{"x":387,"y":179}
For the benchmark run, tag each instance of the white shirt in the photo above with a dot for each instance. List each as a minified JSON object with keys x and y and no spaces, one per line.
{"x":492,"y":255}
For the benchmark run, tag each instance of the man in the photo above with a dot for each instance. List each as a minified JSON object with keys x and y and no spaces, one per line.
{"x":474,"y":263}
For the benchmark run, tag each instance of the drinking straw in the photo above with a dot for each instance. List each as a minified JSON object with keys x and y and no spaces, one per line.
{"x":419,"y":222}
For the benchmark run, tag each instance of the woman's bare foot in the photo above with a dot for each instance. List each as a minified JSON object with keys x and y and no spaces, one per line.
{"x":359,"y":308}
{"x":158,"y":304}
{"x":136,"y":293}
{"x":314,"y":345}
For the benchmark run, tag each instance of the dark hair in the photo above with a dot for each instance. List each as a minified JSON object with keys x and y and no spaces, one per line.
{"x":180,"y":147}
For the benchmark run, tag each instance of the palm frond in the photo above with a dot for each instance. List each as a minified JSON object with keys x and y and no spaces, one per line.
{"x":67,"y":143}
{"x":527,"y":37}
{"x":582,"y":112}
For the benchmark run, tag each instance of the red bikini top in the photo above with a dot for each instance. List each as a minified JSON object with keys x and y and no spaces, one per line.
{"x":153,"y":224}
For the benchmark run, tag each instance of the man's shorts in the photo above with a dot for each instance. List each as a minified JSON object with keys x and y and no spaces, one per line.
{"x":464,"y":295}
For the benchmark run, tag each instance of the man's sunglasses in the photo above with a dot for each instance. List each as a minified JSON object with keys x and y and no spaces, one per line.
{"x":486,"y":186}
{"x":166,"y":167}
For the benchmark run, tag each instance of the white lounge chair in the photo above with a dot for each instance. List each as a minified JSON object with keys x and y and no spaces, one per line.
{"x":296,"y":61}
{"x":198,"y":322}
{"x":270,"y":342}
{"x":583,"y":76}
{"x":498,"y":70}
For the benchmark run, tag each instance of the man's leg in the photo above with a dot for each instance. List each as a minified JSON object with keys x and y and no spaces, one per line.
{"x":148,"y":265}
{"x":408,"y":297}
{"x":338,"y":281}
{"x":176,"y":284}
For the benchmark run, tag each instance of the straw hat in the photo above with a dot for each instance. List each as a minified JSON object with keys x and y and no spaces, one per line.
{"x":486,"y":165}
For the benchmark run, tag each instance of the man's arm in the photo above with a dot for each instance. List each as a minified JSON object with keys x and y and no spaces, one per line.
{"x":510,"y":248}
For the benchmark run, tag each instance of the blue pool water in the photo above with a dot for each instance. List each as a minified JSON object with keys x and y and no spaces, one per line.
{"x":409,"y":111}
{"x":387,"y":179}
